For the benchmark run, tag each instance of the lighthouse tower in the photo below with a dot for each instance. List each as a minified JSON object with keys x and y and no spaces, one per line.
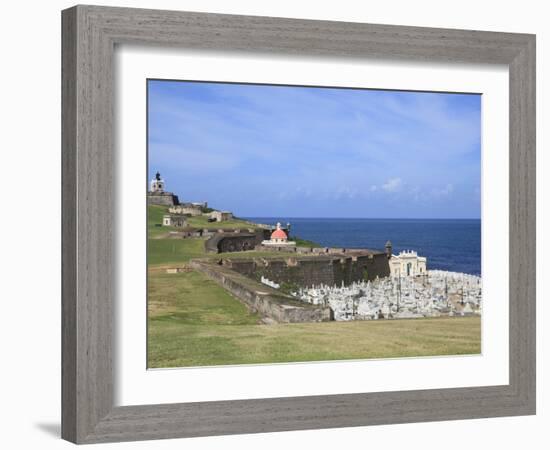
{"x":157,"y":184}
{"x":158,"y":196}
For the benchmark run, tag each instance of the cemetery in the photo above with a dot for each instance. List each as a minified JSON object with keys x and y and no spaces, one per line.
{"x":434,"y":294}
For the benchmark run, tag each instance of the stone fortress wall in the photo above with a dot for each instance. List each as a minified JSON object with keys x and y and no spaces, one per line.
{"x":186,"y":208}
{"x":326,"y":269}
{"x":162,"y":198}
{"x":236,"y":242}
{"x":241,"y":277}
{"x":270,"y":304}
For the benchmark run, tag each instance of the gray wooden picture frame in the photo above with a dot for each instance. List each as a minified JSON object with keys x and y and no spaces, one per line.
{"x":90,"y":34}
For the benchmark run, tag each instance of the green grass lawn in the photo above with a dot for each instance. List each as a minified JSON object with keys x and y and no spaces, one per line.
{"x":304,"y":242}
{"x":191,"y":298}
{"x":174,"y":251}
{"x":194,"y":322}
{"x":154,"y":219}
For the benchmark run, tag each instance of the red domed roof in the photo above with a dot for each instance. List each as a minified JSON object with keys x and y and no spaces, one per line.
{"x":278,"y":234}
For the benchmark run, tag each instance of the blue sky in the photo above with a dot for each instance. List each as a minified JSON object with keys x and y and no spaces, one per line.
{"x":268,"y":151}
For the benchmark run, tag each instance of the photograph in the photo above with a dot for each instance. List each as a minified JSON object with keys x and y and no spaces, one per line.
{"x":311,"y":223}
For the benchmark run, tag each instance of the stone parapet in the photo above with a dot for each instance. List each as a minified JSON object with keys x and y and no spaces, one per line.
{"x":330,"y":269}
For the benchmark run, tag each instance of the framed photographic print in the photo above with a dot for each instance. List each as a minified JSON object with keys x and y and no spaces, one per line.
{"x":278,"y":224}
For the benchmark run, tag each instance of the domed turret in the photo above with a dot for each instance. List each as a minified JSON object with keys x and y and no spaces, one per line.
{"x":279,"y":234}
{"x":278,"y":238}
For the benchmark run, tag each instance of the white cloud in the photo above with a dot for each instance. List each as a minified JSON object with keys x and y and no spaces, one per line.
{"x":392,"y":185}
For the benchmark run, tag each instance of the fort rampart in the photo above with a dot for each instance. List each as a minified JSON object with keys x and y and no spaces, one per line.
{"x":267,"y":302}
{"x":306,"y":271}
{"x":235,"y":240}
{"x":162,"y":198}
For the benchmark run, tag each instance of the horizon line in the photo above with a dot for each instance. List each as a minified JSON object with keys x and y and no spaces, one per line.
{"x":368,"y":218}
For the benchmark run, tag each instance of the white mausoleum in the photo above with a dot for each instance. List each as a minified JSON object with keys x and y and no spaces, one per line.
{"x":407,"y":263}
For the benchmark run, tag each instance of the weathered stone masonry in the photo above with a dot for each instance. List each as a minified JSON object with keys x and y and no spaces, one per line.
{"x":162,"y":198}
{"x":231,"y":241}
{"x":314,"y":270}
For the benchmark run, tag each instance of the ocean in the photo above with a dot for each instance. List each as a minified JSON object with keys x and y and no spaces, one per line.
{"x":449,"y":244}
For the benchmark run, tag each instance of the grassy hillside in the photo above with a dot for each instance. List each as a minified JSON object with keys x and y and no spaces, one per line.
{"x":154,"y":219}
{"x":174,"y":251}
{"x":304,"y":242}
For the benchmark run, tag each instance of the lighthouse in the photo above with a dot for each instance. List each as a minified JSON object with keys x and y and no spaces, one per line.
{"x":157,"y":184}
